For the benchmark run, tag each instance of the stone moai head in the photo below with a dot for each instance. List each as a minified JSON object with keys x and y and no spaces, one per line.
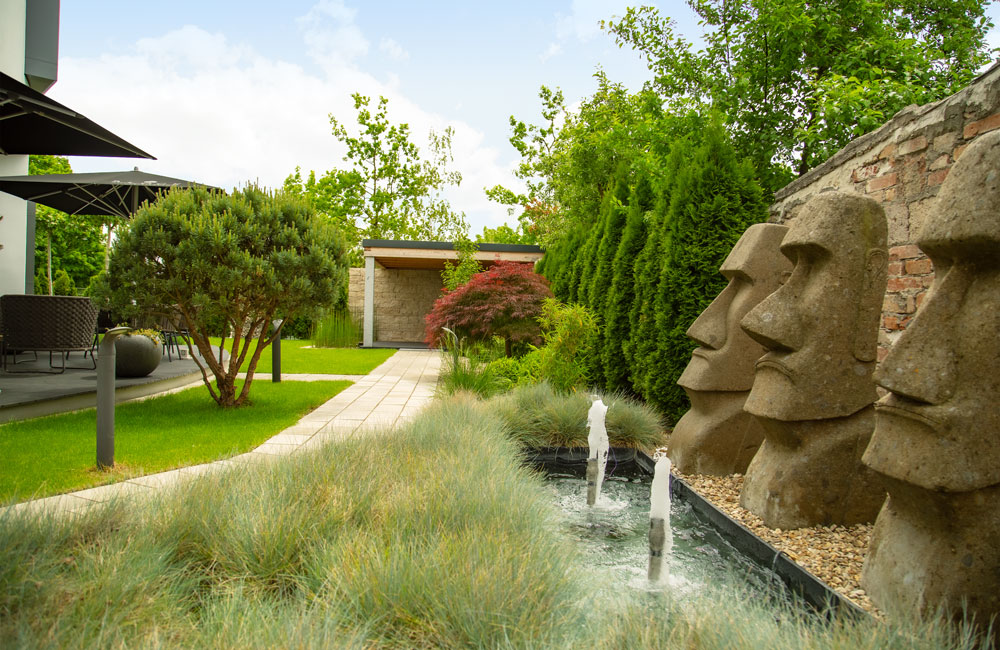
{"x":821,"y":326}
{"x":725,"y":355}
{"x":938,"y":428}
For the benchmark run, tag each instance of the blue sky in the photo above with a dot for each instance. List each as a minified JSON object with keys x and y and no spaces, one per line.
{"x":226,"y":92}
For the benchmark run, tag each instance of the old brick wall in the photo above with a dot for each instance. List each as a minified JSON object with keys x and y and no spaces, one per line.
{"x":402,"y":299}
{"x":902,"y":165}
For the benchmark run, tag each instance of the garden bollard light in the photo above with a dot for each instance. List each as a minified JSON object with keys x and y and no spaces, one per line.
{"x":276,"y":353}
{"x":106,"y":398}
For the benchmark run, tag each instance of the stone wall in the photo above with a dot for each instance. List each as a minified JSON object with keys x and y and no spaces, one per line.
{"x":902,"y":165}
{"x":402,"y":299}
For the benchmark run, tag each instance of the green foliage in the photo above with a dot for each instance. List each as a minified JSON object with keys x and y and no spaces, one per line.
{"x":389,"y":191}
{"x":621,"y":295}
{"x":568,"y":160}
{"x":538,"y":415}
{"x":798,"y":80}
{"x":196,"y":256}
{"x":568,"y":332}
{"x":614,"y":209}
{"x":715,"y":200}
{"x":68,"y":243}
{"x":463,"y":371}
{"x":338,"y":329}
{"x":504,"y":234}
{"x":455,"y":275}
{"x":643,"y":337}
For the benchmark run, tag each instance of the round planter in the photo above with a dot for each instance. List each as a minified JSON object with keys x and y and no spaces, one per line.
{"x":136,"y":356}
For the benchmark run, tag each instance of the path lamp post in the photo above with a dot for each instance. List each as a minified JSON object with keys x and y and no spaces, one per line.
{"x":106,"y":398}
{"x":276,"y":352}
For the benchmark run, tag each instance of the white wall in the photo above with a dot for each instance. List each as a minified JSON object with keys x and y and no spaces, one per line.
{"x":12,"y":210}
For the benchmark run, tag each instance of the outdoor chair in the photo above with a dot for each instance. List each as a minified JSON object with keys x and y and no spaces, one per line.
{"x":172,"y":336}
{"x":53,"y":324}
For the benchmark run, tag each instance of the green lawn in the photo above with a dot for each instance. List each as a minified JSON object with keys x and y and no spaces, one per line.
{"x":296,"y":357}
{"x":56,"y":454}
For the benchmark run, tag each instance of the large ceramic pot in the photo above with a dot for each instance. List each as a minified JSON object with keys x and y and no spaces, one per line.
{"x":136,"y":355}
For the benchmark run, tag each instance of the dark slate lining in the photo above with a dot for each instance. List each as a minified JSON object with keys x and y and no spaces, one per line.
{"x":448,"y":246}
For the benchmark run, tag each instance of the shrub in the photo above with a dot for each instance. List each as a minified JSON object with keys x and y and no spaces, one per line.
{"x":198,"y":257}
{"x":568,"y":332}
{"x":503,"y":301}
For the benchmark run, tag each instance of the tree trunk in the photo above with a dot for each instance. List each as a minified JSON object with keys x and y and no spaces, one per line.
{"x":107,"y":247}
{"x":48,"y":263}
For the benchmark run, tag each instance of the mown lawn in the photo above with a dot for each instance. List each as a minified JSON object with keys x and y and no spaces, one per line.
{"x":56,"y":454}
{"x":300,"y":357}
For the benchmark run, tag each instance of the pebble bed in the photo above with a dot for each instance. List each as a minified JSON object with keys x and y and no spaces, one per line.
{"x":834,"y":554}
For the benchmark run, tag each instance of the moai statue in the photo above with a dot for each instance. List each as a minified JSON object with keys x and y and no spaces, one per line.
{"x":717,"y":436}
{"x":813,"y":390}
{"x":937,"y":434}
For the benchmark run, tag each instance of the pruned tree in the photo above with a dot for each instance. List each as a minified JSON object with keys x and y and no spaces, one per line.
{"x":198,"y":257}
{"x":505,"y":301}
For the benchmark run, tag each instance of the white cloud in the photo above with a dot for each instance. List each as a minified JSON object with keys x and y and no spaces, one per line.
{"x":330,"y":34}
{"x":218,"y":112}
{"x":393,"y":49}
{"x":554,"y":49}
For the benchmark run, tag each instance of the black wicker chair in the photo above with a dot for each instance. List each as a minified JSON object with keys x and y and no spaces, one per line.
{"x":50,"y":324}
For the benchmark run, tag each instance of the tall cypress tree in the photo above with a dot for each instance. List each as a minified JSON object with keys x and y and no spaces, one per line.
{"x":621,"y":294}
{"x":646,"y":271}
{"x":716,"y":198}
{"x":615,"y":209}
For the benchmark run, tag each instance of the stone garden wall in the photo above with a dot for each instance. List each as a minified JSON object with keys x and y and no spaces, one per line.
{"x":902,"y":165}
{"x":402,"y":298}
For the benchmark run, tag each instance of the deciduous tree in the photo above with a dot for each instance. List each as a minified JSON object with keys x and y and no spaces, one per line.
{"x":797,"y":79}
{"x":389,"y":190}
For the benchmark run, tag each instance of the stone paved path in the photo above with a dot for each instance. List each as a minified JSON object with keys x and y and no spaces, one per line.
{"x":390,"y":394}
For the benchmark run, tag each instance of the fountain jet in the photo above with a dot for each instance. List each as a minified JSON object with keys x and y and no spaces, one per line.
{"x":597,"y":439}
{"x":660,"y":538}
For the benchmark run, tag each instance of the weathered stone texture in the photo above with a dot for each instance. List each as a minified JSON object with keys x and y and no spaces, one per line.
{"x":716,"y":436}
{"x":812,"y":391}
{"x":935,"y":439}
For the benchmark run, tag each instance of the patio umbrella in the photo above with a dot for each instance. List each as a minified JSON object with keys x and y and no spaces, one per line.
{"x":31,"y":123}
{"x":99,"y":193}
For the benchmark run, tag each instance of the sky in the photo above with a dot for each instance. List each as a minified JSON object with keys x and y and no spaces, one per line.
{"x":227,"y":92}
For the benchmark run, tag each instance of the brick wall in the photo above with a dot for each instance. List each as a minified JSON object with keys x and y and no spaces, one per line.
{"x":902,"y":165}
{"x":402,"y":299}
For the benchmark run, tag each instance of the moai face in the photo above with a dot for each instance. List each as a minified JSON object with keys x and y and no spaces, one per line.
{"x":821,"y":326}
{"x":725,"y":355}
{"x":938,"y":426}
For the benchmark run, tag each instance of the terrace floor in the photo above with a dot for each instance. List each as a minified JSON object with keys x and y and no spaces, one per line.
{"x":390,"y":394}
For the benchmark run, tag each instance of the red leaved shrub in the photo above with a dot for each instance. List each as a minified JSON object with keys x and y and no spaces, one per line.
{"x":505,"y":301}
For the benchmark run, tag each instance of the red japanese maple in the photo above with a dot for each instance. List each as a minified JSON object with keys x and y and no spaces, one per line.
{"x":503,"y":301}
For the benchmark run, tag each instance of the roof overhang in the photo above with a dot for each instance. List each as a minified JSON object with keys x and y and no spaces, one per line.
{"x":398,"y":254}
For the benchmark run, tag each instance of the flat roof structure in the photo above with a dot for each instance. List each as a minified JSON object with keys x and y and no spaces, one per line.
{"x":399,"y":255}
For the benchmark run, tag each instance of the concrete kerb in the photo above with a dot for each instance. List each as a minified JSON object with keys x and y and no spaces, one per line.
{"x":390,"y":394}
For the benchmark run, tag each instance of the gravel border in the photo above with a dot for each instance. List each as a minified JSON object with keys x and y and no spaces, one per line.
{"x":834,"y":554}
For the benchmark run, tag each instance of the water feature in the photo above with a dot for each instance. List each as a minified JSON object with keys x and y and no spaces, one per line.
{"x":614,"y":535}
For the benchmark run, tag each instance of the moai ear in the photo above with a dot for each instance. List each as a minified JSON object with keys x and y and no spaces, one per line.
{"x":870,"y":306}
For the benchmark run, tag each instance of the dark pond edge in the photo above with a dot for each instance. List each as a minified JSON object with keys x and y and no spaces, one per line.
{"x":631,"y":463}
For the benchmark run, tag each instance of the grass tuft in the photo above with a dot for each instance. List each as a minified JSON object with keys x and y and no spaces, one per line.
{"x":540,"y":416}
